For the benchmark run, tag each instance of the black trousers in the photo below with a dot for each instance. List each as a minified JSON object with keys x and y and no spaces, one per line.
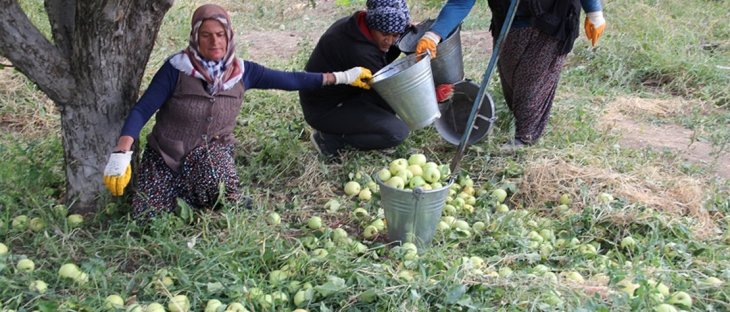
{"x":364,"y":122}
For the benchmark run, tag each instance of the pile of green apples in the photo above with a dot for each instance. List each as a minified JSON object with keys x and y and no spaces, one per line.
{"x":414,"y":172}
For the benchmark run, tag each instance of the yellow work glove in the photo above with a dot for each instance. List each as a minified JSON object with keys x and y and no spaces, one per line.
{"x":356,"y":77}
{"x":428,"y":43}
{"x":594,"y":26}
{"x":118,"y":172}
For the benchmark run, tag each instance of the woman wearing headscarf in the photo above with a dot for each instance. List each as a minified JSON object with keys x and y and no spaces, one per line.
{"x":532,"y":55}
{"x":197,"y":95}
{"x":347,"y":117}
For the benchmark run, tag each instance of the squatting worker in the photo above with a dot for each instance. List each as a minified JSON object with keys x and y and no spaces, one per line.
{"x":343,"y":116}
{"x":532,"y":55}
{"x":197,"y":95}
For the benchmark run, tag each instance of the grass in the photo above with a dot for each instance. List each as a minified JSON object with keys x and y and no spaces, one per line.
{"x":672,"y":52}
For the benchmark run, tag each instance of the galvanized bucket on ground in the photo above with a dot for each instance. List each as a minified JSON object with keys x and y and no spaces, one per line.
{"x":448,"y":65}
{"x":407,"y":86}
{"x":455,"y":114}
{"x":412,"y":216}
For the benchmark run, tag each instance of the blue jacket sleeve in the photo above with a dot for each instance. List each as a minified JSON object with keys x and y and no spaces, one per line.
{"x":256,"y":76}
{"x":158,"y":92}
{"x":453,"y":12}
{"x":591,"y":5}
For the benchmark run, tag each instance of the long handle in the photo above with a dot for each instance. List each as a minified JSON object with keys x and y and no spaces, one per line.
{"x":483,"y":88}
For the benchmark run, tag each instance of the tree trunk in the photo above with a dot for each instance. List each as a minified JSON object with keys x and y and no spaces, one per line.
{"x":92,"y":72}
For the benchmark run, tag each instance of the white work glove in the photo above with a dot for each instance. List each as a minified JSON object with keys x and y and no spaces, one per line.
{"x":118,"y":172}
{"x":594,"y":26}
{"x":356,"y":77}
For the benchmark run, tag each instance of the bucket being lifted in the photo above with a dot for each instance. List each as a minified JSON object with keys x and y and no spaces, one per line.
{"x":407,"y":86}
{"x":448,"y":65}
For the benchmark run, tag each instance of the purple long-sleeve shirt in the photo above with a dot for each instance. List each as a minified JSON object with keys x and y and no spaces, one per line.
{"x":255,"y":76}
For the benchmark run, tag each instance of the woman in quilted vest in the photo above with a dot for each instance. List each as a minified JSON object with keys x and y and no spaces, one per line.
{"x":196,"y":96}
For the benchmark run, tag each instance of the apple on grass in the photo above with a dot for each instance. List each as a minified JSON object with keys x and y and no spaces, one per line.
{"x":273,"y":218}
{"x":36,"y":224}
{"x":352,"y":188}
{"x":213,"y":305}
{"x":3,"y":249}
{"x":75,"y":220}
{"x":154,"y":307}
{"x":628,"y":242}
{"x":664,"y":307}
{"x":681,"y":298}
{"x":113,"y":302}
{"x":236,"y":307}
{"x":314,"y":223}
{"x":370,"y":232}
{"x":499,"y":195}
{"x":38,"y":286}
{"x":360,"y":213}
{"x":19,"y":223}
{"x":25,"y":265}
{"x":365,"y":194}
{"x":339,"y":234}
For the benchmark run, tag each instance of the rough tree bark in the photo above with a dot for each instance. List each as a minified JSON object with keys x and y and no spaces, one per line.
{"x":92,"y":70}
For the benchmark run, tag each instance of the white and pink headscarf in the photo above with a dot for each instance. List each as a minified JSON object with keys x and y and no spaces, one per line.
{"x":220,"y":75}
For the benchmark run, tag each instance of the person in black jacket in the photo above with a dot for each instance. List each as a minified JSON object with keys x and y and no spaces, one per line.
{"x":348,"y":117}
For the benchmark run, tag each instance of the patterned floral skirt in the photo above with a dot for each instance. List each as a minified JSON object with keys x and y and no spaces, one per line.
{"x":203,"y":173}
{"x":529,"y":69}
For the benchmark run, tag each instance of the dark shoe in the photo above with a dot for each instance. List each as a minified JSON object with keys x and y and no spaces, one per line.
{"x":325,"y":148}
{"x":512,"y":146}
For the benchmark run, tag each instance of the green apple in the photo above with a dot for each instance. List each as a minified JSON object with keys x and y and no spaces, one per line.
{"x":236,"y":307}
{"x":378,"y":224}
{"x":277,"y":276}
{"x":38,"y":286}
{"x":681,"y":298}
{"x":712,"y":281}
{"x":339,"y":234}
{"x":499,"y":195}
{"x":628,"y":242}
{"x":213,"y":305}
{"x":431,"y":174}
{"x":3,"y":249}
{"x":280,"y":297}
{"x":396,"y":182}
{"x":548,"y":235}
{"x":416,"y":170}
{"x":605,"y":198}
{"x":573,"y":276}
{"x":449,"y":210}
{"x":113,"y":302}
{"x":664,"y":307}
{"x":417,"y":159}
{"x":396,"y":165}
{"x":405,"y":275}
{"x":565,"y":199}
{"x":461,"y":225}
{"x":370,"y":232}
{"x":445,"y":171}
{"x":154,"y":307}
{"x":534,"y":236}
{"x":442,"y":226}
{"x":60,"y":210}
{"x":501,"y":208}
{"x":660,"y":287}
{"x":75,"y":220}
{"x":436,"y":185}
{"x":69,"y":270}
{"x":352,"y":188}
{"x":273,"y":218}
{"x":359,"y":247}
{"x":628,"y":287}
{"x":360,"y":213}
{"x":384,"y":174}
{"x":134,"y":307}
{"x":25,"y":265}
{"x":416,"y":181}
{"x":36,"y":224}
{"x":314,"y":223}
{"x":20,"y":223}
{"x":504,"y":271}
{"x":587,"y":250}
{"x":479,"y":226}
{"x":303,"y":296}
{"x":365,"y":194}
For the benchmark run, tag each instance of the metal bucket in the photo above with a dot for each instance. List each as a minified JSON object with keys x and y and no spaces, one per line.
{"x":407,"y":86}
{"x":455,"y":114}
{"x":448,"y":66}
{"x":412,"y":216}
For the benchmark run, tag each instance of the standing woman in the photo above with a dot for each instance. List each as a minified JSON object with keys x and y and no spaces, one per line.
{"x":532,"y":55}
{"x":197,"y":95}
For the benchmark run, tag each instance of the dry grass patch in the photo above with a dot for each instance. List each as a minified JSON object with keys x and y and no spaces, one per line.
{"x":675,"y":194}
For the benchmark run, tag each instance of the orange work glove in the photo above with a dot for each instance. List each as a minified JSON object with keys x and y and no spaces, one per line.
{"x":594,"y":26}
{"x":444,"y":92}
{"x":428,"y":42}
{"x":118,"y":172}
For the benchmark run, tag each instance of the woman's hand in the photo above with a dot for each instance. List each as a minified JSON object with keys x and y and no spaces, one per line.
{"x":118,"y":172}
{"x":428,"y":43}
{"x":594,"y":26}
{"x":356,"y":77}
